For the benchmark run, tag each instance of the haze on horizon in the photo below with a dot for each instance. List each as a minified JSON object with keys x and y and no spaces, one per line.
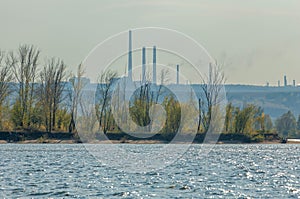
{"x":258,"y":39}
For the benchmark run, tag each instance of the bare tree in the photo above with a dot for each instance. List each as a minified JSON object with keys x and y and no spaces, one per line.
{"x":59,"y":86}
{"x":87,"y":122}
{"x":24,"y":64}
{"x":75,"y":95}
{"x":51,"y":89}
{"x":212,"y":88}
{"x":164,"y":78}
{"x":140,"y":106}
{"x":146,"y":96}
{"x":5,"y":88}
{"x":103,"y":99}
{"x":5,"y":78}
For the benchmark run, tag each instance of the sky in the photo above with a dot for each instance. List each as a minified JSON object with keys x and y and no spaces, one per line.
{"x":258,"y":40}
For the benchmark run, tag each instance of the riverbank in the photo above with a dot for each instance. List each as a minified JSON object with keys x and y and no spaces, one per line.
{"x":38,"y":137}
{"x":129,"y":142}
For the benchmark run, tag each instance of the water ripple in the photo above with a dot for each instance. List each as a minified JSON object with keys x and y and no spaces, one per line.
{"x":230,"y":171}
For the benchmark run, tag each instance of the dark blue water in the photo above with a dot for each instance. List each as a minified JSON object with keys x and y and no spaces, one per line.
{"x":229,"y":171}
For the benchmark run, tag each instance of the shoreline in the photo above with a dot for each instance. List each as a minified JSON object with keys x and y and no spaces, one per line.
{"x":39,"y":137}
{"x":56,"y":141}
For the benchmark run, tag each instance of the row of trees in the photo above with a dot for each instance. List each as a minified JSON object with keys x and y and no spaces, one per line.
{"x":136,"y":117}
{"x":35,"y":95}
{"x":248,"y":119}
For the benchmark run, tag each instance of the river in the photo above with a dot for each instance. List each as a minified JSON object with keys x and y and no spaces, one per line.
{"x":228,"y":171}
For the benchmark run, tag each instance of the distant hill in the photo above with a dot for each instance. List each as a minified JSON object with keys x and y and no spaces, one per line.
{"x":274,"y":100}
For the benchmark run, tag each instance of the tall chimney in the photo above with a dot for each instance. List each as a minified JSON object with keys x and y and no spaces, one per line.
{"x":285,"y":81}
{"x":294,"y":83}
{"x":130,"y":58}
{"x":278,"y":83}
{"x":144,"y":66}
{"x":154,"y":65}
{"x":177,"y":74}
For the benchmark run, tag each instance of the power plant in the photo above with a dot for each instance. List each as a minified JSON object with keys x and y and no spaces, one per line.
{"x":177,"y":82}
{"x":154,"y":75}
{"x":154,"y":65}
{"x":130,"y":58}
{"x":285,"y":82}
{"x":144,"y":66}
{"x":284,"y":92}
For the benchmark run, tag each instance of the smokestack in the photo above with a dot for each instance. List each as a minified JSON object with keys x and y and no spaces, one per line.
{"x":177,"y":74}
{"x":285,"y":81}
{"x":154,"y":65}
{"x":144,"y":65}
{"x":294,"y":83}
{"x":278,"y":83}
{"x":130,"y":58}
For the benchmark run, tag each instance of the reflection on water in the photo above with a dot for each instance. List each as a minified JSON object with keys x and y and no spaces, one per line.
{"x":229,"y":171}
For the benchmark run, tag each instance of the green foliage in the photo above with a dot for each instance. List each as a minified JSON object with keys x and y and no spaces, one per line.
{"x":36,"y":119}
{"x":140,"y":107}
{"x":140,"y":112}
{"x":63,"y":120}
{"x":286,"y":125}
{"x":16,"y":117}
{"x":257,"y":138}
{"x":250,"y":121}
{"x":173,"y":114}
{"x":268,"y":123}
{"x":244,"y":119}
{"x":28,"y":110}
{"x":228,"y":126}
{"x":5,"y":121}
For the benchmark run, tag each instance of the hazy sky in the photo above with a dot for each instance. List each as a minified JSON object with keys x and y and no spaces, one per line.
{"x":259,"y":39}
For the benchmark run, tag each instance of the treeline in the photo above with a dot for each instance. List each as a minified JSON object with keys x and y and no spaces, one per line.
{"x":35,"y":95}
{"x":249,"y":120}
{"x":38,"y":95}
